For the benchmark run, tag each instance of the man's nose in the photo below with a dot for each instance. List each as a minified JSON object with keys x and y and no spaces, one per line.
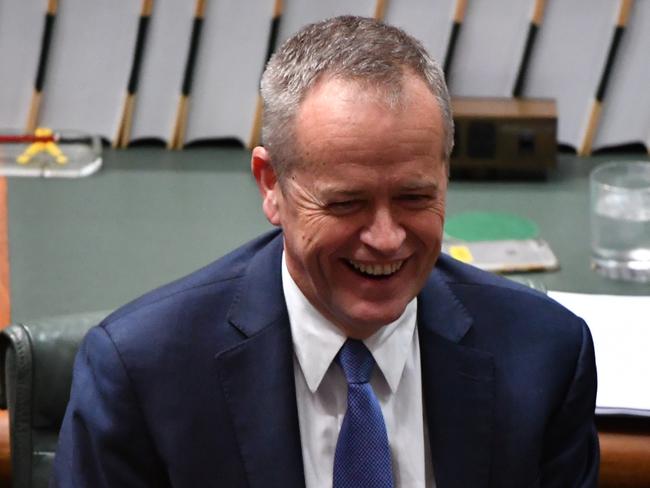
{"x":383,"y":233}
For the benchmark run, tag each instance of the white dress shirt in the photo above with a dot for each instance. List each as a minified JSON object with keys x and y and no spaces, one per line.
{"x":321,"y":390}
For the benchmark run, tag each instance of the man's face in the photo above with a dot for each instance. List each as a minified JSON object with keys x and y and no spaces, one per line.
{"x":363,"y":214}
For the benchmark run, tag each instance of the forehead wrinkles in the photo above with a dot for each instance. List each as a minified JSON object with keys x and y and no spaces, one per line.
{"x":341,"y":122}
{"x":364,"y":179}
{"x":342,"y":99}
{"x":334,"y":102}
{"x":365,"y":151}
{"x":330,"y":140}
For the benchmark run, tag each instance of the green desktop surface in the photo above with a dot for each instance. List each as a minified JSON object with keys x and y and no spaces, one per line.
{"x":151,"y":216}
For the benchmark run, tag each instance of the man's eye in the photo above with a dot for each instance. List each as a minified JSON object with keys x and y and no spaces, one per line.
{"x":343,"y":206}
{"x":415,"y":199}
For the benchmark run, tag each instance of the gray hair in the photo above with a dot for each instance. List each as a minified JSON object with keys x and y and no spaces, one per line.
{"x":349,"y":48}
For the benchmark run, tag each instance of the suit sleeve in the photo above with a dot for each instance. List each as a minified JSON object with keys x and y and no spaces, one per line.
{"x":571,"y":450}
{"x":103,"y":440}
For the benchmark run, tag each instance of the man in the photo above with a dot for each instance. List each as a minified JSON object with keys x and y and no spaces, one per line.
{"x":341,"y":349}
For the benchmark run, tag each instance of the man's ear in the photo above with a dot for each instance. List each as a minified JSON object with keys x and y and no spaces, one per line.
{"x":267,"y":183}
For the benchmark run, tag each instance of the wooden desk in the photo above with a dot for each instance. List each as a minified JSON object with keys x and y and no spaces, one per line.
{"x":5,"y":454}
{"x":151,"y":216}
{"x":624,"y":445}
{"x":625,"y":452}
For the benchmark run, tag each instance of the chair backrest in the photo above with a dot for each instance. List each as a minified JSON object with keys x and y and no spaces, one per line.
{"x":36,"y":361}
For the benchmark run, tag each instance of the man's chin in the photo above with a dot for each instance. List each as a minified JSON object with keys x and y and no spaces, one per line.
{"x":362,"y":324}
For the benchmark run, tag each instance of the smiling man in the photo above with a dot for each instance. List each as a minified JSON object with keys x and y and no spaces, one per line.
{"x":362,"y":214}
{"x":341,"y":349}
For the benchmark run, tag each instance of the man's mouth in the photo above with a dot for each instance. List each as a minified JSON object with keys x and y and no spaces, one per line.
{"x":376,"y":270}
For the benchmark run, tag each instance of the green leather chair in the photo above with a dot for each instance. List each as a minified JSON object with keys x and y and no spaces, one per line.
{"x":36,"y":362}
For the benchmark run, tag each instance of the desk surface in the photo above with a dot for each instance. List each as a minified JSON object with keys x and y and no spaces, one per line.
{"x":151,"y":215}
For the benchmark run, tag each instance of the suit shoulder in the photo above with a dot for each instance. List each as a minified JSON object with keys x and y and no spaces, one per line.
{"x":512,"y":321}
{"x":223,"y":271}
{"x":501,"y":296}
{"x":193,"y":301}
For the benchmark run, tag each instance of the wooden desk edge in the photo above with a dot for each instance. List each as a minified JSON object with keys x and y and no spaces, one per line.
{"x":625,"y":457}
{"x":5,"y":454}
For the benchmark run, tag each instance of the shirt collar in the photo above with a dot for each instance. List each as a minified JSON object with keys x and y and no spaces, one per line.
{"x":316,"y":340}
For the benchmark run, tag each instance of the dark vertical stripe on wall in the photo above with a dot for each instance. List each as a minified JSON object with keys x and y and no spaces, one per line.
{"x":453,"y":39}
{"x":45,"y":50}
{"x":134,"y":77}
{"x":191,"y":59}
{"x":273,"y":38}
{"x":611,"y":56}
{"x":525,"y":61}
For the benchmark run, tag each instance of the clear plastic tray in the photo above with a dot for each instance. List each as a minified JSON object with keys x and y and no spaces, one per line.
{"x":83,"y":154}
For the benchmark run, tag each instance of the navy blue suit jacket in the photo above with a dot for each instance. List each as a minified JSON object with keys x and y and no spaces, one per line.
{"x":192,"y":385}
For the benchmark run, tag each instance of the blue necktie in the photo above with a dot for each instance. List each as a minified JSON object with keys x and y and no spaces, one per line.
{"x":362,"y":458}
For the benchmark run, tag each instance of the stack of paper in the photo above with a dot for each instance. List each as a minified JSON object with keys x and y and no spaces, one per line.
{"x":620,"y":326}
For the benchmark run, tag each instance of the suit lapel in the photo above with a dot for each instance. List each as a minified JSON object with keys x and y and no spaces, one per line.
{"x":257,"y":377}
{"x":458,"y":385}
{"x":257,"y":380}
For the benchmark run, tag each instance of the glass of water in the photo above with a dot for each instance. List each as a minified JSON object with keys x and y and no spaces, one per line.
{"x":620,"y":220}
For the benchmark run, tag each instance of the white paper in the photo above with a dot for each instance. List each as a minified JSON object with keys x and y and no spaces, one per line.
{"x":620,"y":326}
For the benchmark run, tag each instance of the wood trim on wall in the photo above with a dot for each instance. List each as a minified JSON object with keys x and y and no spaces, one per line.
{"x":5,"y":304}
{"x":5,"y":315}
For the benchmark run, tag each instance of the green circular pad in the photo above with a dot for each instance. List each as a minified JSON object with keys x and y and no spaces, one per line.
{"x":489,"y":226}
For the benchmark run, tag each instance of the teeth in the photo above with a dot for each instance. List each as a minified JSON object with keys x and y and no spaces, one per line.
{"x":377,"y":269}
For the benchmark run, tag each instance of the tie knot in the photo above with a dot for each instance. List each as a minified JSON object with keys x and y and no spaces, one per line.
{"x":356,"y":361}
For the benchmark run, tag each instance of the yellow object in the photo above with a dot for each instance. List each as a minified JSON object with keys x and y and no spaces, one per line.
{"x":38,"y":147}
{"x":461,"y":253}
